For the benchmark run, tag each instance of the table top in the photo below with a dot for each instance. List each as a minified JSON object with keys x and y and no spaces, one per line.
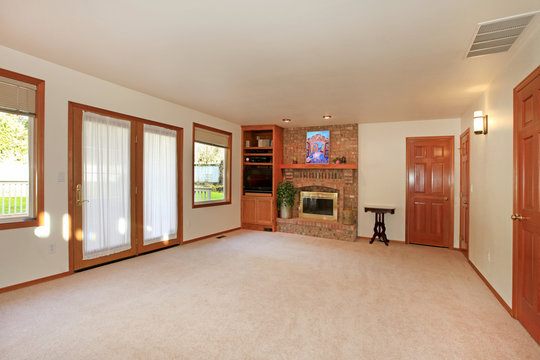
{"x":380,"y":209}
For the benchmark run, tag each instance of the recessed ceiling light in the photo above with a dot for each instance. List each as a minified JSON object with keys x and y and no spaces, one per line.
{"x":286,"y":120}
{"x":326,"y":117}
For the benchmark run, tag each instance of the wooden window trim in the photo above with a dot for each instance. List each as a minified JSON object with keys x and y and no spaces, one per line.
{"x":228,"y":171}
{"x":39,"y":144}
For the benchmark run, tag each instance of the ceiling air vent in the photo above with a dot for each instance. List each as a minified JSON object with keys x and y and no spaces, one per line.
{"x":498,"y":35}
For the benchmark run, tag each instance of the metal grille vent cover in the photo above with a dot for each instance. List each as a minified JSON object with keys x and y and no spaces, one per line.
{"x":498,"y":35}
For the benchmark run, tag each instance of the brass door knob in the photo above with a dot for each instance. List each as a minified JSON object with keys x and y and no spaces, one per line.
{"x":516,"y":217}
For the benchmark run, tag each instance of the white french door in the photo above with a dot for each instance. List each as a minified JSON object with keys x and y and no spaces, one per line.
{"x":106,"y":214}
{"x":159,"y":187}
{"x":125,"y":181}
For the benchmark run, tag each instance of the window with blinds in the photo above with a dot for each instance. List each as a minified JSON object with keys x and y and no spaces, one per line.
{"x":21,"y":149}
{"x":17,"y":97}
{"x":211,"y":166}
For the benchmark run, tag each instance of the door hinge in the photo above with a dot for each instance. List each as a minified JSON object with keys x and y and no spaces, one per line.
{"x":135,"y":190}
{"x":136,"y":139}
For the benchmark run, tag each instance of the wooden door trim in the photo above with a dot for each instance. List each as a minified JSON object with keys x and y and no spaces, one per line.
{"x":465,"y":133}
{"x":408,"y":141}
{"x":515,"y":229}
{"x":70,"y":188}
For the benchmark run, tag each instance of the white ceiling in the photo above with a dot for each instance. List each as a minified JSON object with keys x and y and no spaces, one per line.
{"x":256,"y":62}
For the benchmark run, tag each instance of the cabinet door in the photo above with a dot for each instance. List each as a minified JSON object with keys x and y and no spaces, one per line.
{"x":264,"y":211}
{"x":249,"y":210}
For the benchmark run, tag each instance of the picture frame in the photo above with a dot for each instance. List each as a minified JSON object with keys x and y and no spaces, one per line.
{"x":318,"y":147}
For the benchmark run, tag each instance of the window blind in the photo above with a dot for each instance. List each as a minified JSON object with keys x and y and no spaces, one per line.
{"x":210,"y":137}
{"x":17,"y":96}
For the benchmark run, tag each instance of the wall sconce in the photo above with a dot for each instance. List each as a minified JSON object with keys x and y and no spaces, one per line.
{"x":480,"y":123}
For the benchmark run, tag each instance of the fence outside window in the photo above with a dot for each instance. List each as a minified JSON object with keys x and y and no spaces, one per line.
{"x":13,"y":197}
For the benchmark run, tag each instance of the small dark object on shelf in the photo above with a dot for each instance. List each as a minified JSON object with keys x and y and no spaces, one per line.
{"x":340,"y":160}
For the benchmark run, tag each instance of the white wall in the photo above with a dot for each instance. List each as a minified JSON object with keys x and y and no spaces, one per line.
{"x":382,"y":170}
{"x":492,"y":168}
{"x":23,"y":255}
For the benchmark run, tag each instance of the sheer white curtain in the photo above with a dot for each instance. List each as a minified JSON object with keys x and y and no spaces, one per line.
{"x":160,"y":184}
{"x":106,"y":185}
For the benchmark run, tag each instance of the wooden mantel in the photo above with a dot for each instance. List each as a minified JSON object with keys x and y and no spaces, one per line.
{"x":319,"y":166}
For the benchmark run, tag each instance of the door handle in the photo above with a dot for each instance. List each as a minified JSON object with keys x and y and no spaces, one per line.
{"x":446,"y":198}
{"x":78,"y":195}
{"x":516,"y":217}
{"x":465,"y":203}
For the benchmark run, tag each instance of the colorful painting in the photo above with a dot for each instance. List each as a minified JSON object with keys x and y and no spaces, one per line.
{"x":318,"y":147}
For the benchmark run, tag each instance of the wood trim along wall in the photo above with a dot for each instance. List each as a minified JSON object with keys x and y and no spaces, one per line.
{"x":34,"y":282}
{"x":39,"y":151}
{"x":70,"y":272}
{"x":515,"y":259}
{"x":452,"y":183}
{"x":70,"y":188}
{"x":464,"y":133}
{"x":211,"y":235}
{"x":180,"y":179}
{"x":228,"y":170}
{"x":497,"y":296}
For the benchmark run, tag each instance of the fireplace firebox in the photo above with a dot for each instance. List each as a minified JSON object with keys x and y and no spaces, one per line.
{"x":319,"y":205}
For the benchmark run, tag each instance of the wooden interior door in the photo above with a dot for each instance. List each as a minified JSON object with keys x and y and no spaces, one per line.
{"x":526,"y":290}
{"x":464,"y":189}
{"x":430,"y":189}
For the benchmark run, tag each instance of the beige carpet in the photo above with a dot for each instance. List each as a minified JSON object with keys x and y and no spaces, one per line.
{"x":255,"y":295}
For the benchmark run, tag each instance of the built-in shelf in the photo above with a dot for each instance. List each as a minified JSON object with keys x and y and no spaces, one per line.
{"x":255,"y":163}
{"x":319,"y":166}
{"x":259,"y":211}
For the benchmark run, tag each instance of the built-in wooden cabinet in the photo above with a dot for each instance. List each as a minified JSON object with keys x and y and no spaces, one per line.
{"x":262,"y":152}
{"x":257,"y":210}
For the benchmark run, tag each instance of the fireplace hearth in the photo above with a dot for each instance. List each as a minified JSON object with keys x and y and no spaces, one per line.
{"x":312,"y":217}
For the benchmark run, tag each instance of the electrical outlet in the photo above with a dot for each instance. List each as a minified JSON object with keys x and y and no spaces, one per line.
{"x":52,"y":248}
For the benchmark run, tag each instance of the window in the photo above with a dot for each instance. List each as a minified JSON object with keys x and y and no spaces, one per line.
{"x":21,"y":150}
{"x":211,"y":166}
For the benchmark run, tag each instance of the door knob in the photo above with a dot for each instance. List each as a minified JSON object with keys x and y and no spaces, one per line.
{"x":516,"y":217}
{"x":446,"y":198}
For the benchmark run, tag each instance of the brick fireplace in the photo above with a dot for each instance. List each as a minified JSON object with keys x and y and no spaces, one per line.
{"x":343,"y":181}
